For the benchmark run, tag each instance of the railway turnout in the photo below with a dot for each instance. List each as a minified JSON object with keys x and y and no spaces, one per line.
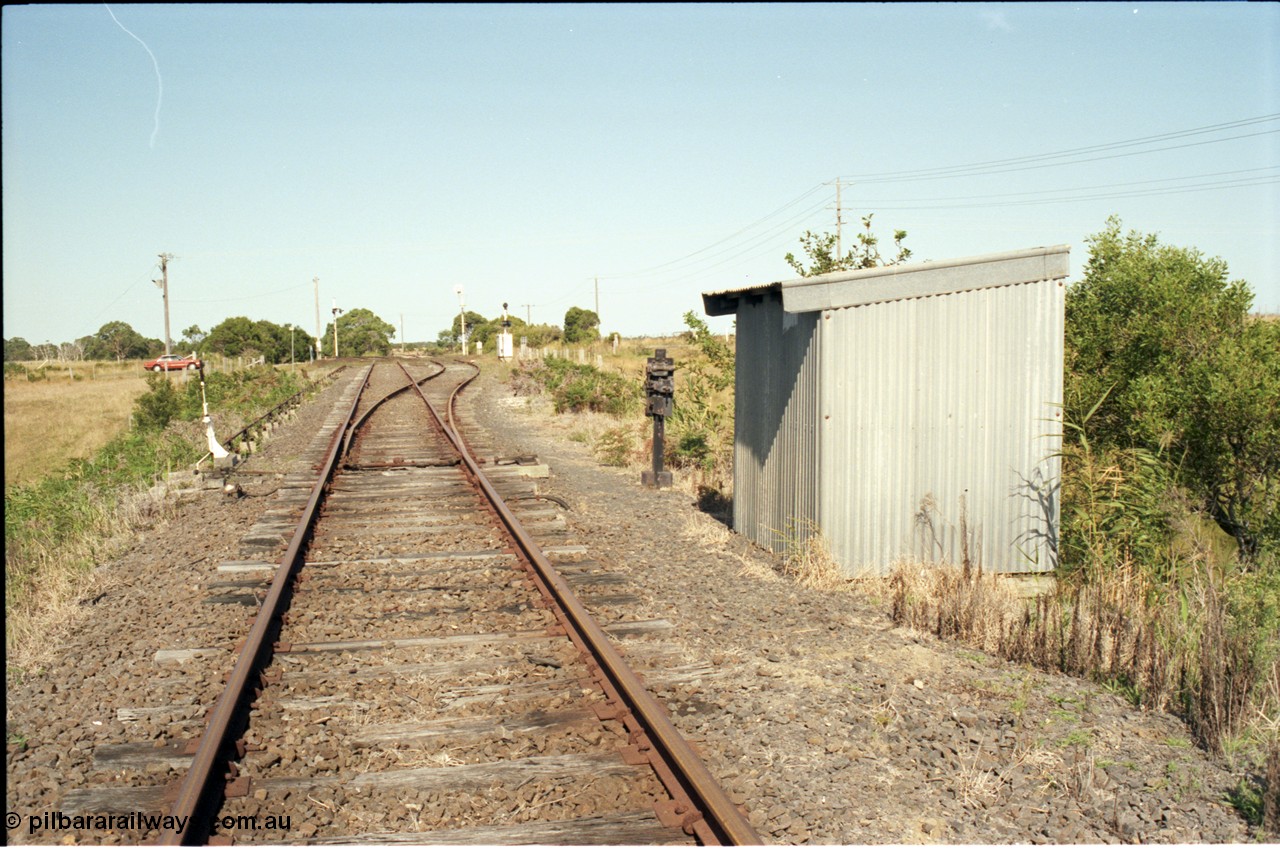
{"x":420,"y":670}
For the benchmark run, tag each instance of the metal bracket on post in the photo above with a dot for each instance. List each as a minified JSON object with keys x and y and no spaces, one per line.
{"x":660,"y":391}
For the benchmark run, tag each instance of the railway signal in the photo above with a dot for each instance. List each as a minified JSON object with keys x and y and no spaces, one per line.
{"x":505,"y":349}
{"x":660,"y":391}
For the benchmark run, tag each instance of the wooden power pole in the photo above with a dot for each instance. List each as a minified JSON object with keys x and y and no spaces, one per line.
{"x":316,"y":282}
{"x":163,"y":284}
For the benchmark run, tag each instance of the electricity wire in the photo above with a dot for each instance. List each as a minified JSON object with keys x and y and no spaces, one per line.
{"x":996,"y":166}
{"x":736,"y":233}
{"x":126,"y":292}
{"x":241,"y":298}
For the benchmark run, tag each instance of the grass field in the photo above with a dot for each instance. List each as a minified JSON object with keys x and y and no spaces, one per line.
{"x":48,"y":422}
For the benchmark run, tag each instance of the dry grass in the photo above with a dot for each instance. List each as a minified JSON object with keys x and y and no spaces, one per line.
{"x":809,"y":561}
{"x":47,"y":423}
{"x":1161,"y":652}
{"x":47,"y":609}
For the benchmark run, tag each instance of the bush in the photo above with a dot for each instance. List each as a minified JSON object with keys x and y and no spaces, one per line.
{"x":581,"y":387}
{"x":240,"y":392}
{"x":616,"y":447}
{"x":1160,"y":343}
{"x":701,"y":428}
{"x":154,"y":409}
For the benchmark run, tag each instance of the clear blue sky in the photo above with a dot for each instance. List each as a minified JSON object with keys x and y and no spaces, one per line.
{"x":398,"y":152}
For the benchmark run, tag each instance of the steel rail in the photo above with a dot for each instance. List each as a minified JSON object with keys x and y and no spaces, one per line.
{"x":197,"y":794}
{"x":355,"y":427}
{"x":716,"y":819}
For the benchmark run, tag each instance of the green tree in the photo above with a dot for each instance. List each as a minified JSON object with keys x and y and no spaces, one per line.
{"x":16,"y":349}
{"x":581,"y":326}
{"x":118,"y":340}
{"x":1142,"y":312}
{"x":302,"y":344}
{"x":360,"y":332}
{"x":539,"y":334}
{"x":1162,"y":355}
{"x":488,"y":333}
{"x":237,"y":336}
{"x":448,"y":338}
{"x":1221,"y":414}
{"x":234,"y":336}
{"x":865,"y":254}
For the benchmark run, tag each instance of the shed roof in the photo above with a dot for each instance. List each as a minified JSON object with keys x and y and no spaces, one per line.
{"x":901,"y":281}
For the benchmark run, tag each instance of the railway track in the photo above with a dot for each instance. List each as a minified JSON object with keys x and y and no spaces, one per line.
{"x":419,"y":671}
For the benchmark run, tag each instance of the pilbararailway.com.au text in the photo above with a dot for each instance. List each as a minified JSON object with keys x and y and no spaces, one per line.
{"x":58,"y":821}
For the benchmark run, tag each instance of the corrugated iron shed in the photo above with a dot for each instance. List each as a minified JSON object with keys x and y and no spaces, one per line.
{"x":893,"y":407}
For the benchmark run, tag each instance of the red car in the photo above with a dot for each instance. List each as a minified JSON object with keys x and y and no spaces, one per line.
{"x":172,"y":362}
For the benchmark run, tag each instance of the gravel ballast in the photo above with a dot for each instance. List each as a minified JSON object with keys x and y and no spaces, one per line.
{"x":834,"y":726}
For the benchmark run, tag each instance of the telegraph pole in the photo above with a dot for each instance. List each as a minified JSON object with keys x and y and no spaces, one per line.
{"x":402,"y":334}
{"x":597,"y":298}
{"x":163,"y":284}
{"x":839,"y":222}
{"x":316,"y":282}
{"x":462,"y":320}
{"x":336,"y":311}
{"x":528,"y":313}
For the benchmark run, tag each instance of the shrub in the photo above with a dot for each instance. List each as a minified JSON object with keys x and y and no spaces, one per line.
{"x":616,"y":447}
{"x":154,"y":409}
{"x":701,"y":427}
{"x":581,"y":387}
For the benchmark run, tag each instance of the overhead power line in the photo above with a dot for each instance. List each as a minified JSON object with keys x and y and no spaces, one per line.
{"x":747,"y":241}
{"x":1073,"y":155}
{"x":1203,"y":187}
{"x":144,"y":276}
{"x":877,"y":203}
{"x":248,"y":298}
{"x":742,"y":230}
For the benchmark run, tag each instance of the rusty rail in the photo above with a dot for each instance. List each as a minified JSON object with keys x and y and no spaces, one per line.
{"x":197,"y":795}
{"x":700,"y":805}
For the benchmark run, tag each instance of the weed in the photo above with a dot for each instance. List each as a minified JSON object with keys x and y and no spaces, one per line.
{"x":1192,"y":645}
{"x":155,"y":408}
{"x":616,"y":447}
{"x":808,"y":560}
{"x":1076,"y":739}
{"x":1246,"y":797}
{"x":1078,"y":779}
{"x":1122,"y":686}
{"x":1065,"y":716}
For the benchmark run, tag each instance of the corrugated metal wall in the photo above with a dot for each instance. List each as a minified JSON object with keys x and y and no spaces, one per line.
{"x":934,"y":403}
{"x":775,"y":478}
